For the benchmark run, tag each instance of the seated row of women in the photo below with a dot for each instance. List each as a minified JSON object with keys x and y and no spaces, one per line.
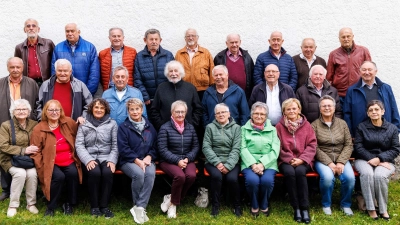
{"x":60,"y":149}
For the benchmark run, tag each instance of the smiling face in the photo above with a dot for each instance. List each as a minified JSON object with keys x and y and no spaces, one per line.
{"x":116,"y":38}
{"x":292,"y":111}
{"x":375,"y":112}
{"x":317,"y":76}
{"x":191,"y":38}
{"x":179,"y":113}
{"x":120,"y":79}
{"x":346,"y":37}
{"x":15,"y":67}
{"x":53,"y":112}
{"x":308,"y":48}
{"x":271,"y":74}
{"x":276,"y":41}
{"x":327,"y":108}
{"x":233,"y":43}
{"x":21,"y":112}
{"x":98,"y":110}
{"x":173,"y":75}
{"x":63,"y":73}
{"x":152,"y":41}
{"x":72,"y":33}
{"x":135,"y":112}
{"x":220,"y":77}
{"x":31,"y":28}
{"x":222,"y":115}
{"x":368,"y":72}
{"x":259,"y":116}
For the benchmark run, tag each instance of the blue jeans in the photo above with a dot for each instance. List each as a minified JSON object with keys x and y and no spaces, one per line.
{"x":259,"y":187}
{"x":142,"y":182}
{"x":327,"y":182}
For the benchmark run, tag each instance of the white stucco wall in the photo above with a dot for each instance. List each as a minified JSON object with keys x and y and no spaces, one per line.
{"x":375,"y":24}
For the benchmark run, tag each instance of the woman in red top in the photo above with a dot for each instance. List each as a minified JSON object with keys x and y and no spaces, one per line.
{"x":56,"y":161}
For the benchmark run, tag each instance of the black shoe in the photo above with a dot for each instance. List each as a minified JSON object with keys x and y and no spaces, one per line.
{"x":49,"y":212}
{"x":214,"y":211}
{"x":266,"y":213}
{"x":95,"y":212}
{"x":4,"y":196}
{"x":107,"y":213}
{"x":255,"y":214}
{"x":238,"y":211}
{"x":374,"y":218}
{"x":385,"y":218}
{"x":297,"y":215}
{"x":305,"y":216}
{"x":67,"y":209}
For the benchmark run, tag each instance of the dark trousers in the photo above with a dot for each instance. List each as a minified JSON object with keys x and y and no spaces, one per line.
{"x":182,"y":180}
{"x":100,"y":182}
{"x":5,"y":181}
{"x":216,"y":184}
{"x":296,"y":184}
{"x":68,"y":174}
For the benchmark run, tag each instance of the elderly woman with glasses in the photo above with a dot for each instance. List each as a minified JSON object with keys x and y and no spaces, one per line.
{"x":178,"y":147}
{"x":56,"y":160}
{"x":14,"y":141}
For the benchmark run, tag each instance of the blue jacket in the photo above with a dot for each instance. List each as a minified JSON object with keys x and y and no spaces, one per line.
{"x":285,"y":63}
{"x":355,"y":104}
{"x":85,"y":64}
{"x":134,"y":144}
{"x":118,"y":107}
{"x":148,"y":74}
{"x":234,"y":98}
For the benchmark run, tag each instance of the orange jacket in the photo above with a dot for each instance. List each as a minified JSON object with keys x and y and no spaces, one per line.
{"x":200,"y":72}
{"x":128,"y":60}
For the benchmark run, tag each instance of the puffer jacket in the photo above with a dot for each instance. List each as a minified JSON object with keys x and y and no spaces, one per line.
{"x":44,"y":52}
{"x":149,"y":71}
{"x":22,"y":140}
{"x":173,"y":146}
{"x":134,"y":144}
{"x":259,"y":93}
{"x":334,"y":143}
{"x":105,"y":58}
{"x":97,"y":143}
{"x":85,"y":64}
{"x":199,"y":72}
{"x":221,"y":144}
{"x":308,"y":97}
{"x":381,"y":142}
{"x":285,"y":63}
{"x":259,"y":146}
{"x":344,"y":68}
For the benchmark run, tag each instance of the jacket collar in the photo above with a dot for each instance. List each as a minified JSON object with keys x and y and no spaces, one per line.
{"x":283,"y":51}
{"x":379,"y":83}
{"x":369,"y":125}
{"x":230,"y":123}
{"x":268,"y":126}
{"x":160,"y":51}
{"x":43,"y":125}
{"x":127,"y":123}
{"x":325,"y":84}
{"x":40,"y":41}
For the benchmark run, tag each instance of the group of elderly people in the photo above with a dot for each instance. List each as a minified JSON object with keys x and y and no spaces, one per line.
{"x":63,"y":152}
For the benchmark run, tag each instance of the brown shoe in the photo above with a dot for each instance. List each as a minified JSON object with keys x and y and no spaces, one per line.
{"x":361,"y":203}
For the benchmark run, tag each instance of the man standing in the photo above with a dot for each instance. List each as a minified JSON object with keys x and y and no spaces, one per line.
{"x":344,"y":62}
{"x":197,"y":62}
{"x":276,"y":55}
{"x":118,"y":95}
{"x":81,"y":54}
{"x":35,"y":52}
{"x":72,"y":93}
{"x":305,"y":60}
{"x":117,"y":55}
{"x":225,"y":91}
{"x":150,"y":64}
{"x":13,"y":87}
{"x":239,"y":63}
{"x":272,"y":92}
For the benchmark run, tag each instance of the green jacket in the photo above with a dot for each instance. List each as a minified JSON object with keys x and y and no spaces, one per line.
{"x":260,"y":147}
{"x":222,"y":144}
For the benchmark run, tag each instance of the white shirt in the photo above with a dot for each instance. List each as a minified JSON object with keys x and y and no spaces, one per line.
{"x":274,"y":106}
{"x":308,"y":62}
{"x":120,"y":94}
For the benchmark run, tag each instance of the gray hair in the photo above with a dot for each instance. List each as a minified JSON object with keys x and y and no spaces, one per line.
{"x":31,"y":19}
{"x":326,"y":97}
{"x":181,"y":70}
{"x":152,"y":31}
{"x":115,"y":28}
{"x":11,"y":58}
{"x":134,"y":101}
{"x":230,"y":35}
{"x":19,"y":102}
{"x":373,"y":63}
{"x":60,"y":62}
{"x":178,"y":103}
{"x":118,"y":68}
{"x":315,"y":67}
{"x":259,"y":105}
{"x":220,"y":67}
{"x":221,"y":105}
{"x":197,"y":34}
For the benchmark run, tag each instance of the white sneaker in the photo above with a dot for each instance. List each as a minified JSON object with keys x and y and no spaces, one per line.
{"x":11,"y":212}
{"x":137,"y":213}
{"x":172,"y":211}
{"x":166,"y":203}
{"x":145,"y":217}
{"x":32,"y":209}
{"x":347,"y":211}
{"x":327,"y":210}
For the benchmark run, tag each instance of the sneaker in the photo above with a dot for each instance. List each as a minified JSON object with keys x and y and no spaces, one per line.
{"x":107,"y":213}
{"x":138,"y":214}
{"x":166,"y":203}
{"x":95,"y":212}
{"x":172,"y":211}
{"x":347,"y":211}
{"x":67,"y":209}
{"x":214,"y":211}
{"x":32,"y":209}
{"x":49,"y":212}
{"x":327,"y":210}
{"x":238,"y":211}
{"x":11,"y":212}
{"x":145,"y":217}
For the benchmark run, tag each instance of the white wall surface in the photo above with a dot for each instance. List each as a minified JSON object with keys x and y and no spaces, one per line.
{"x":375,"y":24}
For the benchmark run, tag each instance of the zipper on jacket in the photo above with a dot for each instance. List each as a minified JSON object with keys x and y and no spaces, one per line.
{"x":182,"y":143}
{"x":333,"y":148}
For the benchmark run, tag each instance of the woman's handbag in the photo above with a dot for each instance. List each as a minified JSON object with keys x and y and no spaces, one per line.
{"x":20,"y":161}
{"x":202,"y":198}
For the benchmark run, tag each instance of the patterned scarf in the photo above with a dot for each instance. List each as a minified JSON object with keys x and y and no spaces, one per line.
{"x":257,"y":127}
{"x":180,"y":128}
{"x":293,"y":126}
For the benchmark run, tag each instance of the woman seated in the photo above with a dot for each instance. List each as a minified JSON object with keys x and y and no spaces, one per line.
{"x":14,"y":141}
{"x":137,"y":152}
{"x":376,"y":146}
{"x":178,"y":147}
{"x":298,"y":147}
{"x":56,"y":160}
{"x":96,"y":146}
{"x":259,"y":153}
{"x":221,"y":147}
{"x":333,"y":152}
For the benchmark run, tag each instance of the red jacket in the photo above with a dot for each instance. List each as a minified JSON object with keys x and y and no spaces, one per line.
{"x":302,"y":144}
{"x":128,"y":60}
{"x":344,"y":69}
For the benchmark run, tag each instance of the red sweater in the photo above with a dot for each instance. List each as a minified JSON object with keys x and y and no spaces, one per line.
{"x":63,"y":150}
{"x":302,"y":144}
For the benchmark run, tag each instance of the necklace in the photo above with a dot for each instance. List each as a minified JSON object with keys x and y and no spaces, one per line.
{"x":53,"y":127}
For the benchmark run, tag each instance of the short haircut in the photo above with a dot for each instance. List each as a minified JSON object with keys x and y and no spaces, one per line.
{"x":230,"y":35}
{"x":47,"y":105}
{"x":19,"y":102}
{"x":289,"y":101}
{"x":221,"y":105}
{"x":60,"y":62}
{"x":220,"y":67}
{"x":259,"y":105}
{"x":31,"y":19}
{"x":197,"y":34}
{"x":118,"y":68}
{"x":133,"y":102}
{"x":11,"y":58}
{"x":375,"y":102}
{"x":177,"y":64}
{"x":102,"y":102}
{"x":326,"y":97}
{"x":315,"y":67}
{"x":152,"y":31}
{"x":373,"y":63}
{"x":178,"y":103}
{"x":115,"y":28}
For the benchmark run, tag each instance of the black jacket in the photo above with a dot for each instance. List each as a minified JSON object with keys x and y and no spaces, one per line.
{"x":259,"y":93}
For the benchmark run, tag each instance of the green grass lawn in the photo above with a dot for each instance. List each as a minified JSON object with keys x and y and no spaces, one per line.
{"x":188,"y":213}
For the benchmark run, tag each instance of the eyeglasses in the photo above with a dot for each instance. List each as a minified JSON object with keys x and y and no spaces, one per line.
{"x":21,"y":110}
{"x":259,"y":114}
{"x":53,"y":110}
{"x":221,"y":112}
{"x":271,"y":71}
{"x":31,"y":25}
{"x":180,"y":112}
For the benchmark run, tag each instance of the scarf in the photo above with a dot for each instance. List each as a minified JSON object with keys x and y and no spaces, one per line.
{"x":257,"y":127}
{"x":180,"y":128}
{"x":96,"y":122}
{"x":293,"y":126}
{"x":138,"y":125}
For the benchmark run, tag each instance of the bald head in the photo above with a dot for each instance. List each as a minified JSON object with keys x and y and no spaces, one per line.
{"x":233,"y":43}
{"x":346,"y":37}
{"x":271,"y":74}
{"x":15,"y":66}
{"x":275,"y":42}
{"x":72,"y":33}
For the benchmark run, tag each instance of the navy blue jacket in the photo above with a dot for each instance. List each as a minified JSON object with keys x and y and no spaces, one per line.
{"x":134,"y":144}
{"x":173,"y":146}
{"x":285,"y":63}
{"x":259,"y":93}
{"x":355,"y":105}
{"x":148,"y":74}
